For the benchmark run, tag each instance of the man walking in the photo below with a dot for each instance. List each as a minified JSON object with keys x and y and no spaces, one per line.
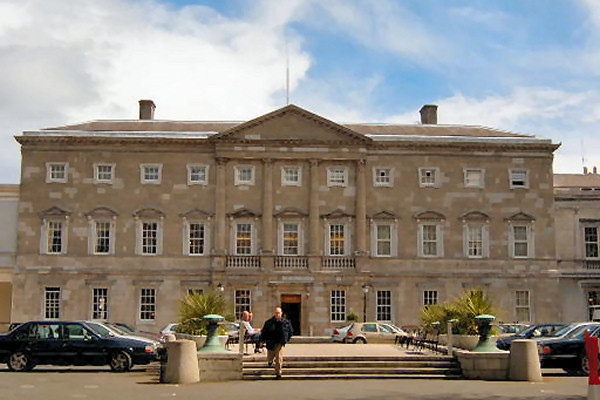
{"x":276,"y":332}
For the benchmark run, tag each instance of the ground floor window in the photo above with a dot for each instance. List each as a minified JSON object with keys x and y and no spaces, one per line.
{"x":338,"y":305}
{"x":147,"y":304}
{"x":100,"y":303}
{"x":593,"y":300}
{"x":242,"y":302}
{"x":52,"y":303}
{"x":522,"y":306}
{"x":430,"y":297}
{"x":384,"y":305}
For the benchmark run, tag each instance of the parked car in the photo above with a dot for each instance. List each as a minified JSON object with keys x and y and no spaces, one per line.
{"x":339,"y":334}
{"x":533,"y":332}
{"x":373,"y":332}
{"x":510,"y":328}
{"x":124,"y":329}
{"x":568,"y":352}
{"x":71,"y":343}
{"x":166,"y":330}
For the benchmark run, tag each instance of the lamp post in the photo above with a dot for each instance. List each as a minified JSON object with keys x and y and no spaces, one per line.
{"x":365,"y":289}
{"x":220,"y":287}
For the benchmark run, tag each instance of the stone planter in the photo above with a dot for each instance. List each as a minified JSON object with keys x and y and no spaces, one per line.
{"x":486,"y":366}
{"x":200,"y":339}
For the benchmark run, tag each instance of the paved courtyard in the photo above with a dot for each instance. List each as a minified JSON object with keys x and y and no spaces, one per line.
{"x":50,"y":383}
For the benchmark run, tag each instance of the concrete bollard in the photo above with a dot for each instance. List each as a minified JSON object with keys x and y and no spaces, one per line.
{"x":182,"y":362}
{"x":524,"y":362}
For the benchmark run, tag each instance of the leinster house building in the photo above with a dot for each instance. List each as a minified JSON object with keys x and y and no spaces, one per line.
{"x":119,"y":219}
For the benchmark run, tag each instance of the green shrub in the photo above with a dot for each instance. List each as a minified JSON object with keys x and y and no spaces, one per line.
{"x":194,"y":306}
{"x":464,"y":309}
{"x":352,"y":316}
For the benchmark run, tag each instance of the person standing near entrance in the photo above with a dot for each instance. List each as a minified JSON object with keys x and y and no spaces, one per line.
{"x":276,"y":332}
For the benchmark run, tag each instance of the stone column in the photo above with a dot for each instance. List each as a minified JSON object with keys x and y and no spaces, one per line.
{"x":220,"y":207}
{"x":267,"y":207}
{"x":361,"y":208}
{"x":313,"y":210}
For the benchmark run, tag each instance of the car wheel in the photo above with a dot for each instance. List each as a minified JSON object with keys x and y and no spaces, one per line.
{"x":20,"y":361}
{"x":120,"y":361}
{"x":360,"y":340}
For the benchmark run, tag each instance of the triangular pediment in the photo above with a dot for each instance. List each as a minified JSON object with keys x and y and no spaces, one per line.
{"x":384,"y":215}
{"x":148,"y":213}
{"x":520,"y":216}
{"x":243,"y":213}
{"x":54,"y":211}
{"x":195,"y":213}
{"x":337,"y":213}
{"x":292,"y":124}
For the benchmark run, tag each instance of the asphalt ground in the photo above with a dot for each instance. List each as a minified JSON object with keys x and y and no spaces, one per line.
{"x":50,"y":383}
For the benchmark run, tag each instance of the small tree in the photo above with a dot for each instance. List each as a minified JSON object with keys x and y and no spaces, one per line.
{"x":352,"y":317}
{"x":196,"y":305}
{"x":464,"y":309}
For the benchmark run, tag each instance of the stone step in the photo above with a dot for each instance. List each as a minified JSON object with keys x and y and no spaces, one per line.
{"x":356,"y":371}
{"x":350,"y":376}
{"x":263,"y":357}
{"x":355,"y":364}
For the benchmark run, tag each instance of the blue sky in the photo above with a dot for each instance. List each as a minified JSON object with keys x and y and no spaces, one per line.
{"x":529,"y":66}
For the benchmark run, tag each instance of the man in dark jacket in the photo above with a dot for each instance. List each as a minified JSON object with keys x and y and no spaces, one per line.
{"x":276,"y":332}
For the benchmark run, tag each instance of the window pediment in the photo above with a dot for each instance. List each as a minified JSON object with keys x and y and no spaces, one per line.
{"x":521,"y":216}
{"x":384,"y":214}
{"x":149,"y":213}
{"x":195,"y":213}
{"x":55,"y":211}
{"x":430,"y":216}
{"x":102,"y":212}
{"x":337,"y":213}
{"x":243,"y":213}
{"x":290,"y":213}
{"x":475,"y":216}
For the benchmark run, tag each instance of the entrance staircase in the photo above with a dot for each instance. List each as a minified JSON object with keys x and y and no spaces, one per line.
{"x":356,"y":367}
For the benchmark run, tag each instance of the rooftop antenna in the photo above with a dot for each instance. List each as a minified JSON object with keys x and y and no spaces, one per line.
{"x":287,"y":74}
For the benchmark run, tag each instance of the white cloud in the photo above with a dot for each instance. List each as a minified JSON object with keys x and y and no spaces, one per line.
{"x":491,"y":19}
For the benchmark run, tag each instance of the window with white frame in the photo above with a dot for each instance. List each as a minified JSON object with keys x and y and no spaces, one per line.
{"x":150,"y":236}
{"x":475,"y":240}
{"x":383,"y":176}
{"x":103,"y":173}
{"x":520,"y":241}
{"x":100,"y":303}
{"x":337,"y":239}
{"x":197,"y":174}
{"x":102,"y":237}
{"x":52,"y":303}
{"x":430,"y":240}
{"x":383,"y":239}
{"x":243,"y":302}
{"x":430,"y":297}
{"x":54,"y":236}
{"x":243,"y":239}
{"x":147,"y":304}
{"x":291,"y":176}
{"x":338,"y":305}
{"x":244,"y":175}
{"x":337,"y":176}
{"x":519,"y":178}
{"x":474,"y":178}
{"x":150,"y":173}
{"x":428,"y":177}
{"x":56,"y":172}
{"x":522,"y":306}
{"x":590,"y":236}
{"x":384,"y":305}
{"x":196,"y":238}
{"x":290,"y":240}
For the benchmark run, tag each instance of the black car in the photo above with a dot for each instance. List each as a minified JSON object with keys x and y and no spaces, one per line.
{"x":71,"y":343}
{"x":568,"y":352}
{"x":533,"y":332}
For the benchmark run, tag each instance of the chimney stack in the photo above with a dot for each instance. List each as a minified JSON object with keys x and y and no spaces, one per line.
{"x":595,"y":170}
{"x":429,"y":114}
{"x":147,"y":108}
{"x":585,"y":170}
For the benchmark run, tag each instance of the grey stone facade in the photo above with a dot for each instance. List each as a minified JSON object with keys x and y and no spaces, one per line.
{"x":446,"y":207}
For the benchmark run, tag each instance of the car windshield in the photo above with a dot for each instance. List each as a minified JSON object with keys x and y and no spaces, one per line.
{"x":100,"y":329}
{"x":118,"y":329}
{"x":578,"y":332}
{"x":563,"y":331}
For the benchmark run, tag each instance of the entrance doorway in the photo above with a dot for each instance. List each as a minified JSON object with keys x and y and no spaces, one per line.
{"x":291,"y":306}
